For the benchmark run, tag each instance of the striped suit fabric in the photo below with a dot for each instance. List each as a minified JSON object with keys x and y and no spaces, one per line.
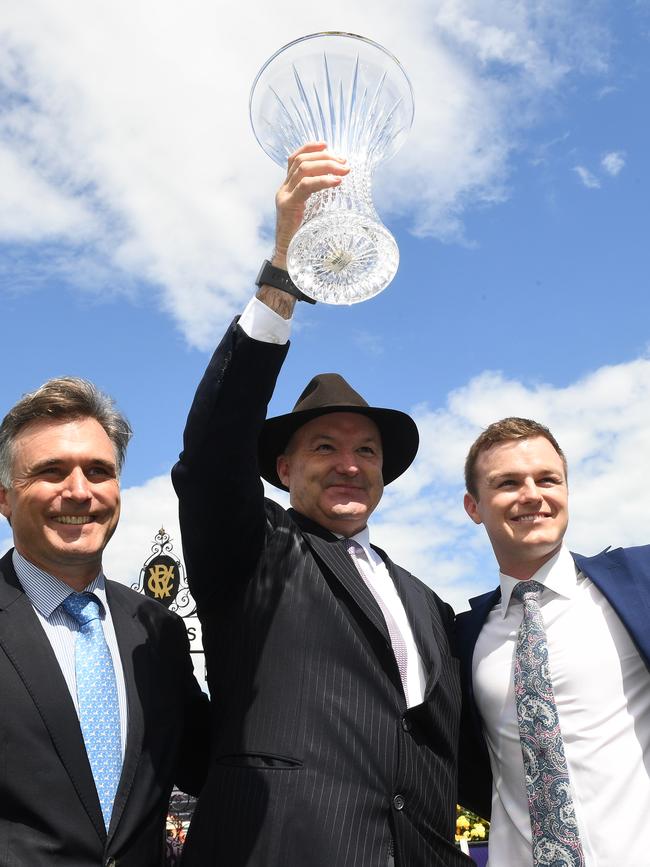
{"x":315,"y":758}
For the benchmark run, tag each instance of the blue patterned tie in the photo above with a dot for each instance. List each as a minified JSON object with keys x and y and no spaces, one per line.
{"x":552,"y":815}
{"x":99,"y":713}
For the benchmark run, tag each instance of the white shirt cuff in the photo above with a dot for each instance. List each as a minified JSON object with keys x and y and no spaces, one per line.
{"x":261,"y":323}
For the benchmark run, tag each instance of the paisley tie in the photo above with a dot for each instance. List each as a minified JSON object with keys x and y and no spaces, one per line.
{"x":552,"y":815}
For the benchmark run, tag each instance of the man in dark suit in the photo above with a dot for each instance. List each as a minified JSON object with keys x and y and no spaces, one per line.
{"x":565,"y":769}
{"x":336,"y":693}
{"x":100,"y":712}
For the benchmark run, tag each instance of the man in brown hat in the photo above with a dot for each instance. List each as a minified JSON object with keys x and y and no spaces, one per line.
{"x":335,"y":692}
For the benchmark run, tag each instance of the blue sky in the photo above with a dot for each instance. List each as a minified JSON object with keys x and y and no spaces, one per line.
{"x":136,"y":207}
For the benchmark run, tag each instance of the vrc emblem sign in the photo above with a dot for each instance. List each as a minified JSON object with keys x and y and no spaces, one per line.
{"x":162,"y":579}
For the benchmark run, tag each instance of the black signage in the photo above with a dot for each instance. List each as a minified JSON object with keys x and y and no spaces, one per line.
{"x":162,"y":579}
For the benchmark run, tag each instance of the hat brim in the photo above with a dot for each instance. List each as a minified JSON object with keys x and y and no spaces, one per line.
{"x":399,"y":438}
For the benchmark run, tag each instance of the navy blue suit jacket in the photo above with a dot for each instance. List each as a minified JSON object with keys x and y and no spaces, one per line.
{"x":622,"y":575}
{"x":49,"y":808}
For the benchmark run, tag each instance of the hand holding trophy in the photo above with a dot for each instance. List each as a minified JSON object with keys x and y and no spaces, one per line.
{"x":353,"y":94}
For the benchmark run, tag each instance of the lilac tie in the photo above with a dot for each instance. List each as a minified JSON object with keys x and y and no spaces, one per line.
{"x":359,"y":559}
{"x":550,"y":803}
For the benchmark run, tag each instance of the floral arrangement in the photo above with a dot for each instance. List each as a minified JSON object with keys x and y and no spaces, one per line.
{"x":470,"y":827}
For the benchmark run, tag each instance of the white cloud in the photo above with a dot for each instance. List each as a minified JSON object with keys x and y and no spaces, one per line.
{"x":607,"y":90}
{"x":126,"y":126}
{"x":613,"y":163}
{"x":369,"y":343}
{"x":58,"y":215}
{"x":588,"y":178}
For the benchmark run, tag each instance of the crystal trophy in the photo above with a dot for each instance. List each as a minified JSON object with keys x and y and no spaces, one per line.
{"x":353,"y":94}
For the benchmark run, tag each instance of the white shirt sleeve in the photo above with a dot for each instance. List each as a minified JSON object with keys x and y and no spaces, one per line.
{"x":261,"y":323}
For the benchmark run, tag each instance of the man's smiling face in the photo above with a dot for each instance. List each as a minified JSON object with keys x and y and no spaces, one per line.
{"x":64,"y":501}
{"x":522,"y":499}
{"x":332,"y":468}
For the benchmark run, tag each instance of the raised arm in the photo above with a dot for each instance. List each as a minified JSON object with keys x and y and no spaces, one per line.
{"x":217,"y":478}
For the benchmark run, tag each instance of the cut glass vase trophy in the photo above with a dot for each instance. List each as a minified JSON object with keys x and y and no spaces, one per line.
{"x":353,"y":94}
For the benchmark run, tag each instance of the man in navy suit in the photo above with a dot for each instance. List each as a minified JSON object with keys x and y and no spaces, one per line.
{"x":97,"y":719}
{"x":595,"y":613}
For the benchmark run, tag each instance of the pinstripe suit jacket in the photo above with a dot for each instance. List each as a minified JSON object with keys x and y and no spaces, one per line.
{"x":316,"y":762}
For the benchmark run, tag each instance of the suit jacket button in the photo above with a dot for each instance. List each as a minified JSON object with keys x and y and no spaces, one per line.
{"x":406,"y":725}
{"x":398,"y":802}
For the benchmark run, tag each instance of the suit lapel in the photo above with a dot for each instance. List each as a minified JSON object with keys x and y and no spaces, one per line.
{"x":27,"y":646}
{"x":418,"y":611}
{"x":468,"y":628}
{"x":130,"y":636}
{"x":335,"y":556}
{"x":481,"y":607}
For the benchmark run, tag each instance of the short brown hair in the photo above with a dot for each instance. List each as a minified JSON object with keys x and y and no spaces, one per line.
{"x":64,"y":399}
{"x":506,"y":430}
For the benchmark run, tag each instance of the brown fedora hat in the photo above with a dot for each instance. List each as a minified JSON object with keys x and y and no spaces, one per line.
{"x":327,"y":393}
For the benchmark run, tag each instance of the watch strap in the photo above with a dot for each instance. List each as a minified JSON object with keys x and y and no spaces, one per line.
{"x":270,"y":275}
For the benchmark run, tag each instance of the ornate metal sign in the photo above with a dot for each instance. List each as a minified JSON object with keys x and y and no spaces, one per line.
{"x":163,"y":578}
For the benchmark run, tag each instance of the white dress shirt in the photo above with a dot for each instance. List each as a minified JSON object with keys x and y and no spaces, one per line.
{"x":602,"y":692}
{"x":46,"y":594}
{"x":384,"y":588}
{"x":259,"y":322}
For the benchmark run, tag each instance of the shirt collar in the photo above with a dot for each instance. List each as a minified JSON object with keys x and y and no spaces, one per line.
{"x":558,"y":574}
{"x":362,"y":538}
{"x":46,"y":592}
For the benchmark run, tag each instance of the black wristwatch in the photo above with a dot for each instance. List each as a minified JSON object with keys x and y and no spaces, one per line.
{"x":279,"y":278}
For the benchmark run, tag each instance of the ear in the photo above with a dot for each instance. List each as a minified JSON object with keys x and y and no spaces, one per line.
{"x":471,"y":507}
{"x":282,"y":469}
{"x":5,"y":508}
